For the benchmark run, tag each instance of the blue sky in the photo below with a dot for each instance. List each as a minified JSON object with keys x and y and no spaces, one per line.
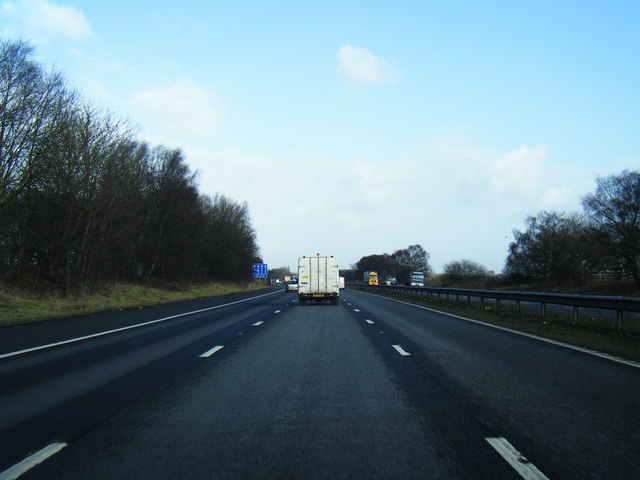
{"x":354,"y":128}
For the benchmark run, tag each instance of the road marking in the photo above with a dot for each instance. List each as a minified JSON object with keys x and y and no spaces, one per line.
{"x":588,"y":351}
{"x":277,"y":311}
{"x":356,"y":310}
{"x":369,"y":321}
{"x":31,"y":461}
{"x":257,"y":324}
{"x":401,"y":351}
{"x":215,"y":349}
{"x":524,"y":467}
{"x":122,"y":329}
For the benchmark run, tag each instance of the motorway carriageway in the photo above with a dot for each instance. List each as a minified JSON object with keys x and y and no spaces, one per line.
{"x":257,"y":386}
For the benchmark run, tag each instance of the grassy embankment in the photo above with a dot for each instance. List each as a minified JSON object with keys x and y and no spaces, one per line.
{"x":593,"y":333}
{"x":19,"y":306}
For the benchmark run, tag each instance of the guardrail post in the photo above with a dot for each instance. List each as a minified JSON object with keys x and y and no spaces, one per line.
{"x":543,"y":309}
{"x":576,"y":314}
{"x":518,"y":309}
{"x":619,"y":319}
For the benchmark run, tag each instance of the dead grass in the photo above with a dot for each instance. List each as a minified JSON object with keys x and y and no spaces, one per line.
{"x":19,"y":306}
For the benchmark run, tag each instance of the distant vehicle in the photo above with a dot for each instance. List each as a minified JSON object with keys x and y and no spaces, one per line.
{"x":318,"y":279}
{"x":391,"y":280}
{"x":370,"y":278}
{"x":415,"y":279}
{"x":291,"y":286}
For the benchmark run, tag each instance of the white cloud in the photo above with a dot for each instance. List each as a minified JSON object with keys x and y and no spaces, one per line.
{"x":304,"y":202}
{"x":178,"y":112}
{"x":519,"y":171}
{"x":555,"y":196}
{"x":362,"y":67}
{"x":376,"y":183}
{"x":41,"y":20}
{"x":457,"y":198}
{"x":473,"y":196}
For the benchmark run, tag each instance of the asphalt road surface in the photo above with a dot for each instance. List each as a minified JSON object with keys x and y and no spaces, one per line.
{"x":258,"y":386}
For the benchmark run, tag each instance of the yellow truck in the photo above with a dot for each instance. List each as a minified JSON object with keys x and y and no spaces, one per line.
{"x":370,"y":278}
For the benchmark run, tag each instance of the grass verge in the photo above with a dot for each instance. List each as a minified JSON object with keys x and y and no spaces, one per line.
{"x":588,"y":333}
{"x":22,"y":307}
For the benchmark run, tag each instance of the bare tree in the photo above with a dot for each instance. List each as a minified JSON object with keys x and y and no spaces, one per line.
{"x":382,"y":264}
{"x":32,"y":105}
{"x":177,"y":222}
{"x":460,"y":271}
{"x":231,"y":245}
{"x":614,"y":212}
{"x":554,"y":247}
{"x":412,"y":259}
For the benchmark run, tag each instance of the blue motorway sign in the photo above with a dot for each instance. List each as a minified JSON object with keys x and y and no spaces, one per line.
{"x":259,"y":270}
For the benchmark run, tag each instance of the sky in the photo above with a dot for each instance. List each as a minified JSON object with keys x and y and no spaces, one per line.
{"x":354,"y":128}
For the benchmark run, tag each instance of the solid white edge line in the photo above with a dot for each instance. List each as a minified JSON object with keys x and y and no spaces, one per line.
{"x":215,"y":349}
{"x":400,"y":350}
{"x":31,"y":461}
{"x":588,"y":351}
{"x":100,"y":334}
{"x":524,"y":467}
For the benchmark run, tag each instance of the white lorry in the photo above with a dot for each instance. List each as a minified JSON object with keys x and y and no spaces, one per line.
{"x":415,"y":279}
{"x":318,"y":279}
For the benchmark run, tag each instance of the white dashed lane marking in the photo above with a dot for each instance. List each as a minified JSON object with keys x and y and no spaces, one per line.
{"x":401,"y":351}
{"x":524,"y":467}
{"x":215,"y":349}
{"x":31,"y":461}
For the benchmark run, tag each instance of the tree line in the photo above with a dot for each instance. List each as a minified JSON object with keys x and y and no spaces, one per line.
{"x":602,"y":241}
{"x":84,"y":201}
{"x":397,"y":264}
